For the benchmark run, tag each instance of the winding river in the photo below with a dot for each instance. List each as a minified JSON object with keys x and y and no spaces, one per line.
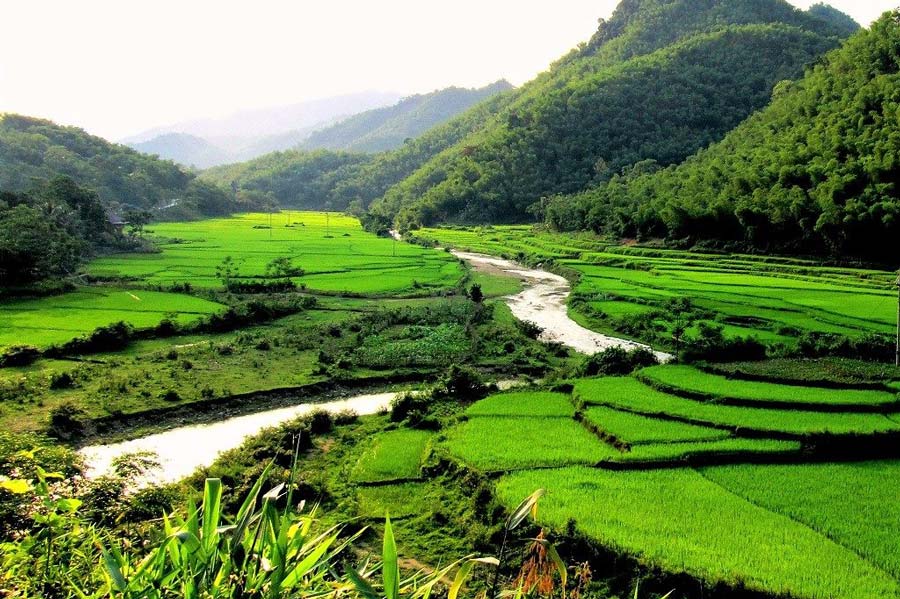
{"x":181,"y":451}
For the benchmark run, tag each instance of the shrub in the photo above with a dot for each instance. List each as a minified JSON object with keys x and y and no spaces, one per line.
{"x":62,"y":380}
{"x":617,"y":361}
{"x":711,"y":344}
{"x":529,"y":329}
{"x":67,"y":422}
{"x":19,"y":355}
{"x":110,"y":338}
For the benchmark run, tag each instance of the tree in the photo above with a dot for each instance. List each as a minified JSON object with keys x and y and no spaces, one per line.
{"x":137,"y":220}
{"x":33,"y":247}
{"x":475,"y":293}
{"x":227,"y":270}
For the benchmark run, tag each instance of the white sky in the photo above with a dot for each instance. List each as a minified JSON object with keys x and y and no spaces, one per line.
{"x":116,"y":67}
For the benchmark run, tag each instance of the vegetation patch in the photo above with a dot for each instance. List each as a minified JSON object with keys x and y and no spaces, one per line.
{"x":393,"y":455}
{"x":524,"y":403}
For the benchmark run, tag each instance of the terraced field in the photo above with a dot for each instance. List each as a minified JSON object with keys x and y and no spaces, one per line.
{"x":734,"y":495}
{"x":334,"y":252}
{"x":772,"y":299}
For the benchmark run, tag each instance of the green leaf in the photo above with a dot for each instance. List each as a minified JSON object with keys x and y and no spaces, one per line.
{"x":212,"y":513}
{"x":362,"y":585}
{"x":113,"y":570}
{"x":390,"y":568}
{"x":310,"y":562}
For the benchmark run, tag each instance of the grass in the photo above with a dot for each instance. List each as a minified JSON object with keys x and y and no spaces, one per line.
{"x":678,"y":378}
{"x":635,"y":429}
{"x":853,"y":504}
{"x":54,"y":320}
{"x":822,"y":371}
{"x":393,"y":455}
{"x":631,"y":395}
{"x":334,"y":251}
{"x":524,"y":403}
{"x":681,"y":522}
{"x":398,"y":501}
{"x":498,"y":443}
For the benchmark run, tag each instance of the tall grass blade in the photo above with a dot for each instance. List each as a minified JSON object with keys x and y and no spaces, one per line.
{"x":390,"y":568}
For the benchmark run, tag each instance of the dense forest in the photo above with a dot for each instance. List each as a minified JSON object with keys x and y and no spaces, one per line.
{"x":34,"y":149}
{"x":816,"y":171}
{"x":659,"y":80}
{"x":388,"y":128}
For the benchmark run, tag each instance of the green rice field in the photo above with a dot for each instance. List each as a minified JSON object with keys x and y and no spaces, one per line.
{"x":393,"y":455}
{"x":334,"y":252}
{"x":682,"y":522}
{"x":52,"y":320}
{"x":694,"y":382}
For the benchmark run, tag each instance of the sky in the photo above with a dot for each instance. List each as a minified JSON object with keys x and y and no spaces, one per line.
{"x":118,"y":67}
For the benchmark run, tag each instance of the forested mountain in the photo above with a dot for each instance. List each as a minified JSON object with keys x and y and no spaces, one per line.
{"x":817,"y":170}
{"x":388,"y":128}
{"x":658,"y":81}
{"x":185,"y":149}
{"x":342,"y":179}
{"x":35,"y":149}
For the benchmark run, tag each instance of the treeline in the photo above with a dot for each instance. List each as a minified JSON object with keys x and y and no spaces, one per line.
{"x":659,"y":81}
{"x":816,"y":171}
{"x":36,"y":149}
{"x":48,"y":231}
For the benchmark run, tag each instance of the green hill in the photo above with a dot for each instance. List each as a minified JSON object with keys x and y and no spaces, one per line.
{"x":816,"y":171}
{"x":33,"y":150}
{"x":388,"y":128}
{"x":658,"y":81}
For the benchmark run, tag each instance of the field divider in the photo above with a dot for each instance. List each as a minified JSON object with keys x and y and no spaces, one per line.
{"x":772,"y":404}
{"x":390,"y":481}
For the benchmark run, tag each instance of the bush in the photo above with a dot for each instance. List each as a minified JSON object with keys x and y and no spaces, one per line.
{"x":711,"y":344}
{"x":616,"y":361}
{"x":67,"y":422}
{"x":62,"y":380}
{"x":19,"y":355}
{"x":110,"y":338}
{"x":529,"y":329}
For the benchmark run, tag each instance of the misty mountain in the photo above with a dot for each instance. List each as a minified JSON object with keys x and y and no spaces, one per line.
{"x":387,"y":128}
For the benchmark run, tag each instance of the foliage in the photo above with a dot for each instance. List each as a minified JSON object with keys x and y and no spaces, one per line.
{"x":661,"y":80}
{"x":813,"y":172}
{"x":617,"y":361}
{"x":32,"y":148}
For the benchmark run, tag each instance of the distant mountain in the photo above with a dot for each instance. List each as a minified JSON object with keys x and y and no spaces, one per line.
{"x":184,"y":148}
{"x":34,"y":150}
{"x":841,"y":22}
{"x":251,"y":133}
{"x":817,"y":171}
{"x":388,"y":128}
{"x":259,"y":123}
{"x":657,"y":82}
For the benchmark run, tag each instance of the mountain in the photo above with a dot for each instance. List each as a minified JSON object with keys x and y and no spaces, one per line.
{"x":388,"y":128}
{"x":658,"y":81}
{"x":184,"y":148}
{"x":342,"y":180}
{"x":818,"y":170}
{"x":259,"y":123}
{"x":251,"y":133}
{"x":34,"y":150}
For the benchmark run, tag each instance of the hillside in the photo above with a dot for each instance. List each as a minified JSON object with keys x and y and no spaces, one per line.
{"x":658,"y":81}
{"x":816,"y":171}
{"x":34,"y":149}
{"x":388,"y":128}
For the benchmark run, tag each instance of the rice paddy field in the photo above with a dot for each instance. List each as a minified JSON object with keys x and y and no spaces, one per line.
{"x":334,"y":252}
{"x":52,"y":320}
{"x":680,"y":482}
{"x":772,"y":299}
